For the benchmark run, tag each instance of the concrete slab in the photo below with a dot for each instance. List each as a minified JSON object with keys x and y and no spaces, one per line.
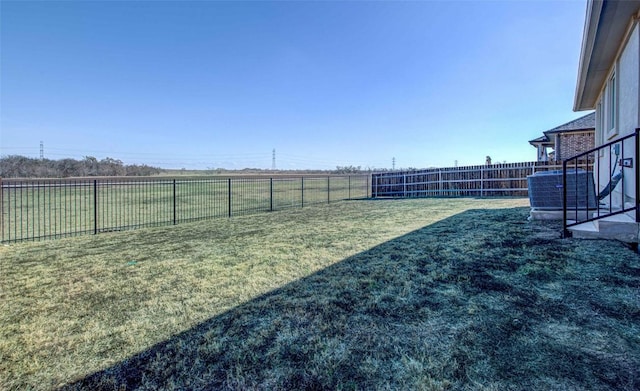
{"x":537,"y":214}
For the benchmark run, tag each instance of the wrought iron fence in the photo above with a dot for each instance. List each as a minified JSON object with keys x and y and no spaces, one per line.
{"x":35,"y":209}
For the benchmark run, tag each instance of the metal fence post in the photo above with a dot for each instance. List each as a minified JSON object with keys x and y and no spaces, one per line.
{"x":95,"y":206}
{"x":374,"y":186}
{"x":349,"y":179}
{"x":271,"y":194}
{"x":637,"y":172}
{"x":302,"y":192}
{"x":565,"y":231}
{"x":2,"y":211}
{"x":229,"y":195}
{"x":174,"y":201}
{"x":328,"y":191}
{"x":366,"y":190}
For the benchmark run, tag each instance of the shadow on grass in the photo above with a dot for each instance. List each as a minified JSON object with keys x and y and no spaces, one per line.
{"x":482,"y":299}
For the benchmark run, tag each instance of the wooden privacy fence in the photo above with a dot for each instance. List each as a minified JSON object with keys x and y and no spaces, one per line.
{"x":34,"y":209}
{"x":493,"y":180}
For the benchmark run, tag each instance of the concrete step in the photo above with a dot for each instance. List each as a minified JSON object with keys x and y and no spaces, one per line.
{"x":619,"y":227}
{"x":586,"y":230}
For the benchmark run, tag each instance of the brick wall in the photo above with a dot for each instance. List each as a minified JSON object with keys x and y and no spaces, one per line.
{"x":572,"y":144}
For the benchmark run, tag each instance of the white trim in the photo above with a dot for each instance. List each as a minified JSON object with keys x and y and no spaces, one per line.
{"x":591,"y":22}
{"x":599,"y":135}
{"x":612,"y":104}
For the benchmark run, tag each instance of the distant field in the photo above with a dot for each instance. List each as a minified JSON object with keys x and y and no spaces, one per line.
{"x":430,"y":294}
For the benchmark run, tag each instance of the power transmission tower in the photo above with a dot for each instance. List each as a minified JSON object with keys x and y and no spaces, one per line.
{"x":41,"y":150}
{"x":393,"y":163}
{"x":273,"y":160}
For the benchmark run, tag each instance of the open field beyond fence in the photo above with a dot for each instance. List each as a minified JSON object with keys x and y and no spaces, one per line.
{"x":55,"y":208}
{"x":434,"y":294}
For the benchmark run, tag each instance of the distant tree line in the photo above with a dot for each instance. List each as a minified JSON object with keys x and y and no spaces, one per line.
{"x":15,"y":166}
{"x":368,"y":169}
{"x":347,"y":170}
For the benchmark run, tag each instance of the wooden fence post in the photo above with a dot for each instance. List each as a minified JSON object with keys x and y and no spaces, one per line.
{"x":481,"y":181}
{"x":404,"y":185}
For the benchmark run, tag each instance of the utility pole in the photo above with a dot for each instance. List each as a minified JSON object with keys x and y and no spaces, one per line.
{"x":393,"y":163}
{"x":273,"y":159}
{"x":41,"y":150}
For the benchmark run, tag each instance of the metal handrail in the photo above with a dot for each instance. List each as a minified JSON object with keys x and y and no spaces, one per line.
{"x":565,"y":163}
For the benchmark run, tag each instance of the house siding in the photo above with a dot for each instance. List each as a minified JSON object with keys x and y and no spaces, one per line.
{"x":628,"y":67}
{"x":627,"y":71}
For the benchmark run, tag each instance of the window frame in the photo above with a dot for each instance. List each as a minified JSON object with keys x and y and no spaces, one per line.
{"x":611,"y":96}
{"x":600,"y":131}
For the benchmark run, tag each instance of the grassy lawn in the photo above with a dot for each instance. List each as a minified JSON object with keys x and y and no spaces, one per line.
{"x":431,"y":294}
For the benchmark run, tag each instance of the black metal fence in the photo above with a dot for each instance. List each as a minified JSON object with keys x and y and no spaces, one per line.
{"x":494,"y":180}
{"x":54,"y":208}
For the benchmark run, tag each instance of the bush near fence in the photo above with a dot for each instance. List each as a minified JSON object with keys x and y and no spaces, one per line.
{"x":492,"y":180}
{"x":34,"y":209}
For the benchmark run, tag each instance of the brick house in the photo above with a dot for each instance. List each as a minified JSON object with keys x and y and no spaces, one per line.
{"x":566,"y":140}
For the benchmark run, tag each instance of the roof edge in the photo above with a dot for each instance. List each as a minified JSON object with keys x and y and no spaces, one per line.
{"x":559,"y":128}
{"x":592,"y":20}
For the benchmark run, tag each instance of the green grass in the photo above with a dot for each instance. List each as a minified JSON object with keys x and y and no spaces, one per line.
{"x":430,"y":294}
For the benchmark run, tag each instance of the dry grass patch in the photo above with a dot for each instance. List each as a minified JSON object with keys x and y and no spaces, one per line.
{"x":415,"y":294}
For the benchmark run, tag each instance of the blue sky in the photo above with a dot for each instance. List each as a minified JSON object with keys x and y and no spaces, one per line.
{"x":221,"y":84}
